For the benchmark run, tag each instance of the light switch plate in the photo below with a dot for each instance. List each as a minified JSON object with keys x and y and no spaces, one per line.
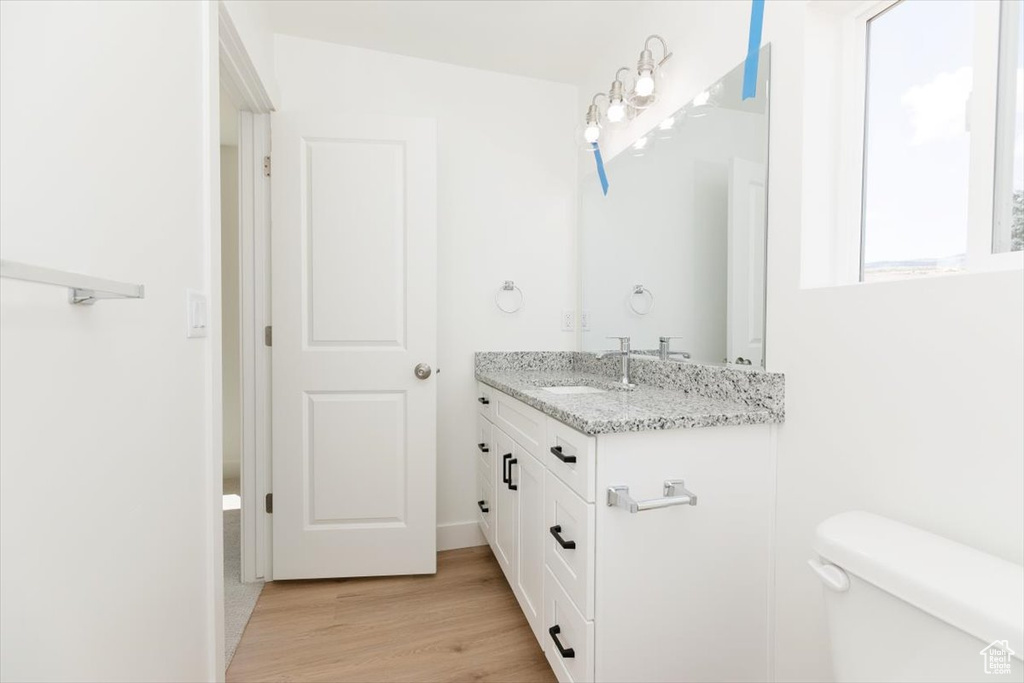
{"x":197,"y":314}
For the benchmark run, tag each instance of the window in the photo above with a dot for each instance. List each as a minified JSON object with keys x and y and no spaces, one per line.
{"x":916,"y":139}
{"x":934,"y":140}
{"x":1008,"y":226}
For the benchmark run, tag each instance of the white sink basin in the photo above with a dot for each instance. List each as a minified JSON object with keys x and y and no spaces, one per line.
{"x":574,"y":390}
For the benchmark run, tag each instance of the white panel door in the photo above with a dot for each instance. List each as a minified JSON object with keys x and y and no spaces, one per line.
{"x":354,"y":311}
{"x":745,"y":337}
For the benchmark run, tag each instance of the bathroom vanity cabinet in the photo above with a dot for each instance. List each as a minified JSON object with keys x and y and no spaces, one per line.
{"x":670,"y":591}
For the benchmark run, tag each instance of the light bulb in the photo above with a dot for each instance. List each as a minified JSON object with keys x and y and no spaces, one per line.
{"x":701,"y":99}
{"x":591,"y":133}
{"x":640,"y":144}
{"x":667,"y":123}
{"x":644,"y":84}
{"x":616,"y":111}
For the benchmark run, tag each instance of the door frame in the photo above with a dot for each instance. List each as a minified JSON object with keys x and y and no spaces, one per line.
{"x":226,"y":63}
{"x":239,"y":78}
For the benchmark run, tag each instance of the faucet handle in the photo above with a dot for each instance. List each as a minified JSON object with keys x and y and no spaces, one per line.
{"x":623,"y":342}
{"x":667,"y":339}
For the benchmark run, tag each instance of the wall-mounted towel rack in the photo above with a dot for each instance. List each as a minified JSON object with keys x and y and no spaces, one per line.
{"x":82,"y":289}
{"x":639,"y":291}
{"x":509,"y":286}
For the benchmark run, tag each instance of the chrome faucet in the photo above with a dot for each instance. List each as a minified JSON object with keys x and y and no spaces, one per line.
{"x":663,"y":348}
{"x":624,"y":354}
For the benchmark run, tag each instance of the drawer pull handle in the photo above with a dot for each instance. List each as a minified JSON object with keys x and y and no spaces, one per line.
{"x":504,"y":468}
{"x":483,"y":399}
{"x":566,"y":652}
{"x":556,"y":531}
{"x":483,"y":506}
{"x":675,"y":494}
{"x":483,"y":448}
{"x":557,"y":452}
{"x":511,"y":486}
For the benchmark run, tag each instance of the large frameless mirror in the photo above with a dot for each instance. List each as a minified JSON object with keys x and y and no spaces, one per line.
{"x":677,"y":247}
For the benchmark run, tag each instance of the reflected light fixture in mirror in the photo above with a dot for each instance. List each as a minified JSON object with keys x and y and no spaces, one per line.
{"x":704,"y":101}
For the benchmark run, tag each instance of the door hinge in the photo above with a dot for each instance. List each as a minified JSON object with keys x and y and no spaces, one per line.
{"x":266,"y":166}
{"x":268,"y":335}
{"x":270,"y":503}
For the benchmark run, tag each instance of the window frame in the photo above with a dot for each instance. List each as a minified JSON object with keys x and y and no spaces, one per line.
{"x":1006,"y":112}
{"x":982,"y":171}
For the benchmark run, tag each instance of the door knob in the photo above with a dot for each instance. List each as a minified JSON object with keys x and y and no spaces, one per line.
{"x":422,"y":371}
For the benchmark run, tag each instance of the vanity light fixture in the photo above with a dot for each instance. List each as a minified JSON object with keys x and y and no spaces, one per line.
{"x":644,"y":91}
{"x":617,"y":107}
{"x":624,"y":104}
{"x":592,"y":128}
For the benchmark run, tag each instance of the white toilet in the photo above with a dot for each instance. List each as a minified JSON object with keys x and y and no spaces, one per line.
{"x":907,"y":605}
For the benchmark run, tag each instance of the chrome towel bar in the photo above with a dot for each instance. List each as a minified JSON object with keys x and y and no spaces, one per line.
{"x":675,"y":494}
{"x":82,"y":289}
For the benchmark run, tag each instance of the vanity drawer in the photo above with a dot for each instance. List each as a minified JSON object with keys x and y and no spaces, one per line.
{"x":563,"y":621}
{"x":485,"y":400}
{"x":570,"y":455}
{"x":483,"y":446}
{"x":521,"y":422}
{"x":485,"y":505}
{"x":567,"y":515}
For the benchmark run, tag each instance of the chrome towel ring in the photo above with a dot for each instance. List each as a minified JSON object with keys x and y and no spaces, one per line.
{"x":509,"y":286}
{"x":641,"y":295}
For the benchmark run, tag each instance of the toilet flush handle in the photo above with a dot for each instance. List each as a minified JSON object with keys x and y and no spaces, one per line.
{"x":832,"y":576}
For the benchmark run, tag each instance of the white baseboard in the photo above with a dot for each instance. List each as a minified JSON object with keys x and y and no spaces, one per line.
{"x":459,"y":535}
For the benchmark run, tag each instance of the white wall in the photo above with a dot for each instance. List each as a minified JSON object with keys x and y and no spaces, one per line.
{"x":506,"y":210}
{"x":107,"y":536}
{"x":902,"y":398}
{"x":230,"y":310}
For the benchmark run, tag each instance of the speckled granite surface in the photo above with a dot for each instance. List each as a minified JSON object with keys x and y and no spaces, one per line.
{"x":667,"y":395}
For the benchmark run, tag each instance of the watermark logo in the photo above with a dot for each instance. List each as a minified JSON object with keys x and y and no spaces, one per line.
{"x":997,"y":657}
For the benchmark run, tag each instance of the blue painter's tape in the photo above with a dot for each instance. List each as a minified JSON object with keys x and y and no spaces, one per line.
{"x":600,"y":168}
{"x":753,"y":49}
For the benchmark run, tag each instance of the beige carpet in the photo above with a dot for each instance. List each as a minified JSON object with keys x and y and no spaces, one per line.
{"x":239,"y":598}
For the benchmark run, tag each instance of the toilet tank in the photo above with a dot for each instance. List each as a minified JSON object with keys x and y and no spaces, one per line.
{"x":906,"y":605}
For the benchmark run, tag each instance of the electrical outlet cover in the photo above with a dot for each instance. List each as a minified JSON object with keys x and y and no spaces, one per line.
{"x":568,"y":320}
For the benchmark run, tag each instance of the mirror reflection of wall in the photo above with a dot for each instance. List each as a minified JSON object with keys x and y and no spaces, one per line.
{"x":685,"y":218}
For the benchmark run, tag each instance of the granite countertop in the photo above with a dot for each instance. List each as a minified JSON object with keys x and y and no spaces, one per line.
{"x":675,"y":398}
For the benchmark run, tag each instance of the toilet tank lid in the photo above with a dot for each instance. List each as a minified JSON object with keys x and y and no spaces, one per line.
{"x":971,"y":590}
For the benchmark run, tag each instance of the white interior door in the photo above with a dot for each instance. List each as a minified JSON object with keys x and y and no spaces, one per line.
{"x":354,"y":311}
{"x":745,"y":336}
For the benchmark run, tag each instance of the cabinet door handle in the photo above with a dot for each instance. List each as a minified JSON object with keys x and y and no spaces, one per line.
{"x":566,"y":652}
{"x":556,"y":531}
{"x":483,"y":399}
{"x":557,"y":452}
{"x":483,"y":448}
{"x":483,"y":506}
{"x":504,"y":465}
{"x":511,"y":486}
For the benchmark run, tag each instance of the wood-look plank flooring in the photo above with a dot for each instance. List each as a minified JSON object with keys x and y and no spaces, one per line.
{"x":462,"y":624}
